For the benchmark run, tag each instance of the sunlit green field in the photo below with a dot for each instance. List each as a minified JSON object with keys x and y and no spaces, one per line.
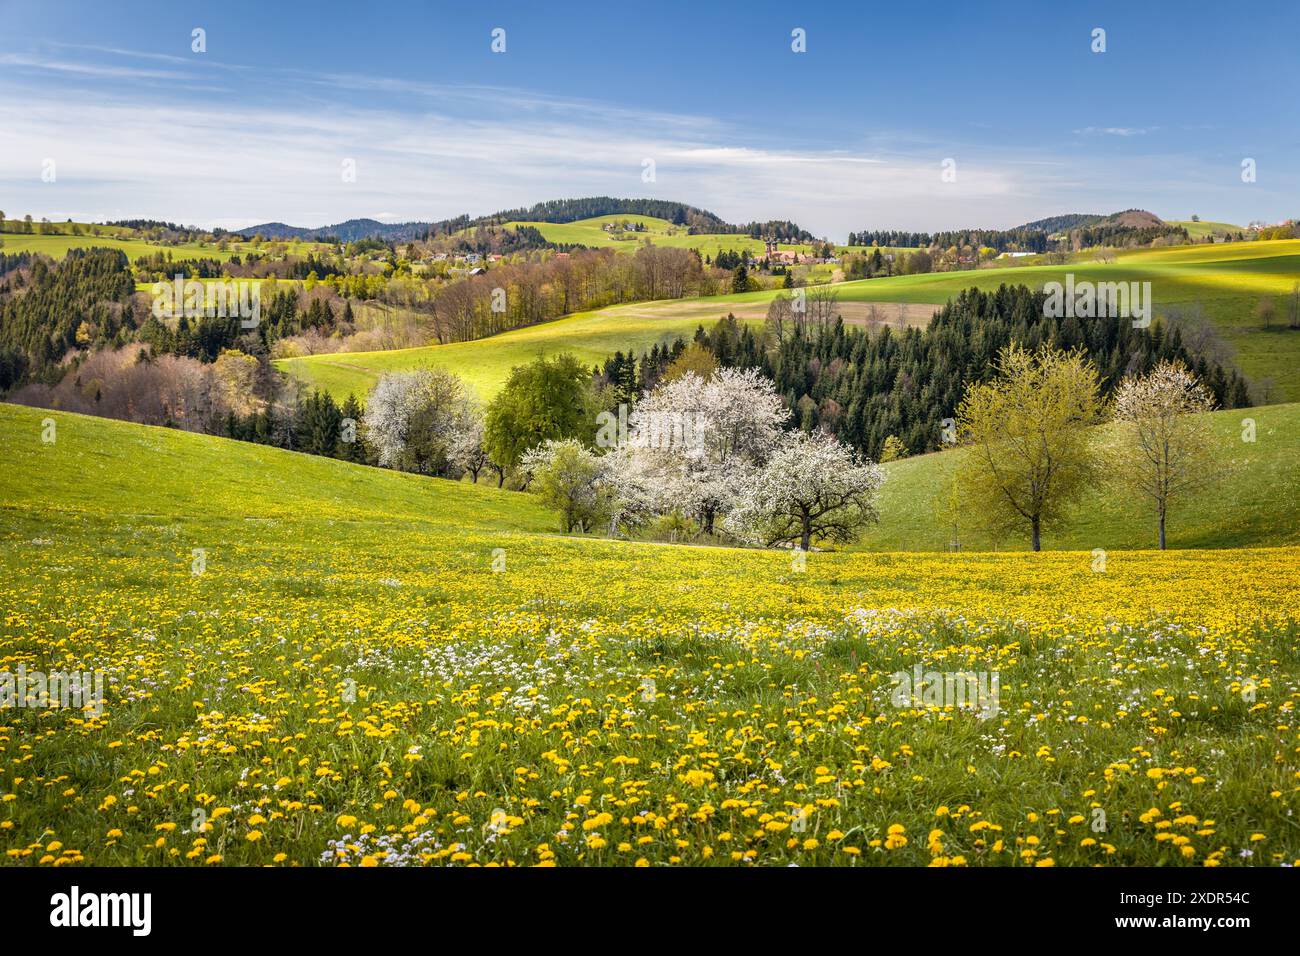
{"x":1253,"y":500}
{"x":485,"y":364}
{"x":591,"y":232}
{"x":314,"y":663}
{"x":1199,"y":229}
{"x":57,"y":246}
{"x":1225,"y":280}
{"x":128,"y":241}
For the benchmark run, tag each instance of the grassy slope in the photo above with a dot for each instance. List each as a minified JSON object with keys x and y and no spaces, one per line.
{"x":486,"y":363}
{"x":1254,"y":501}
{"x":153,"y":472}
{"x":141,"y":472}
{"x":57,"y":246}
{"x":230,"y":688}
{"x":590,"y":232}
{"x":1226,"y":280}
{"x":1198,"y":229}
{"x":126,"y":239}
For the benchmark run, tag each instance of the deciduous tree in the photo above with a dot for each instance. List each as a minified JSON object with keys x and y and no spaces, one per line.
{"x":1031,"y":455}
{"x":572,"y":479}
{"x":813,"y":486}
{"x":1165,"y":449}
{"x":415,"y":420}
{"x":547,"y":399}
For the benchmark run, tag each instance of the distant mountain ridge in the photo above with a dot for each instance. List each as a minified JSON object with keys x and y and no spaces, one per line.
{"x":349,"y":231}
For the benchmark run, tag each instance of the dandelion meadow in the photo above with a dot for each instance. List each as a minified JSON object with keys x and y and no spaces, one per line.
{"x":312,"y":663}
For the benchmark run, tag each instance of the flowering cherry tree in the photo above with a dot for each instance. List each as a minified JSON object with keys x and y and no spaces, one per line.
{"x":721,"y":428}
{"x":812,"y":486}
{"x":1165,"y":446}
{"x":419,"y":421}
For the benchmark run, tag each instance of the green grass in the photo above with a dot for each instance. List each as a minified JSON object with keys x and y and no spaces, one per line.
{"x":57,"y":246}
{"x":143,"y":471}
{"x":1226,"y":280}
{"x":1253,"y":501}
{"x":591,"y":232}
{"x":486,"y":363}
{"x":128,"y":241}
{"x":14,"y":226}
{"x":348,"y":678}
{"x":1202,"y":228}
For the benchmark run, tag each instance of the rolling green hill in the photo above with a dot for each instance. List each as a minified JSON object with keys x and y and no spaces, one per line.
{"x":1255,"y":499}
{"x":130,"y":241}
{"x":486,"y":363}
{"x":1226,"y":281}
{"x":57,"y":246}
{"x":1202,"y":228}
{"x":302,"y":662}
{"x":593,"y":233}
{"x":115,"y":474}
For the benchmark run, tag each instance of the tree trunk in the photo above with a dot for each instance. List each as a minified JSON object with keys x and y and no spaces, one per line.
{"x":1162,"y":531}
{"x":1038,"y":541}
{"x":807,"y":534}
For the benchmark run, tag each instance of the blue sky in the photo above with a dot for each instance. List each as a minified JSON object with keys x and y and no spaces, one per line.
{"x":851,"y":134}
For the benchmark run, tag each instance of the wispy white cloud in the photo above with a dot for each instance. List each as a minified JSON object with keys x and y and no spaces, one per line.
{"x":1115,"y":130}
{"x":119,"y":51}
{"x":86,"y":69}
{"x":429,"y":151}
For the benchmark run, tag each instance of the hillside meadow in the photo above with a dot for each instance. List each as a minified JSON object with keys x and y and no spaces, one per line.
{"x":314,"y":663}
{"x":1225,"y":281}
{"x":485,"y":364}
{"x":1201,"y":228}
{"x":128,"y":240}
{"x":1253,"y":498}
{"x":594,"y":234}
{"x":57,"y":246}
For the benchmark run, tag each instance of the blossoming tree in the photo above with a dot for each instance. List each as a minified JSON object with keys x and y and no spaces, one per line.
{"x":812,"y":486}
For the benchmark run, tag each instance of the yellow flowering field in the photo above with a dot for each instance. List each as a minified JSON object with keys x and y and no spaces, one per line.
{"x":310,"y":663}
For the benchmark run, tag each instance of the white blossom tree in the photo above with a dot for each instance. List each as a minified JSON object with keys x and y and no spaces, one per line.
{"x":812,"y":486}
{"x":639,"y":488}
{"x":697,"y":441}
{"x":467,"y":451}
{"x":1164,"y":450}
{"x":417,"y":421}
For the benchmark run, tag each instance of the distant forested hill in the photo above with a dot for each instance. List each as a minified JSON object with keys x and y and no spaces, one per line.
{"x":1063,"y":223}
{"x":553,"y":210}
